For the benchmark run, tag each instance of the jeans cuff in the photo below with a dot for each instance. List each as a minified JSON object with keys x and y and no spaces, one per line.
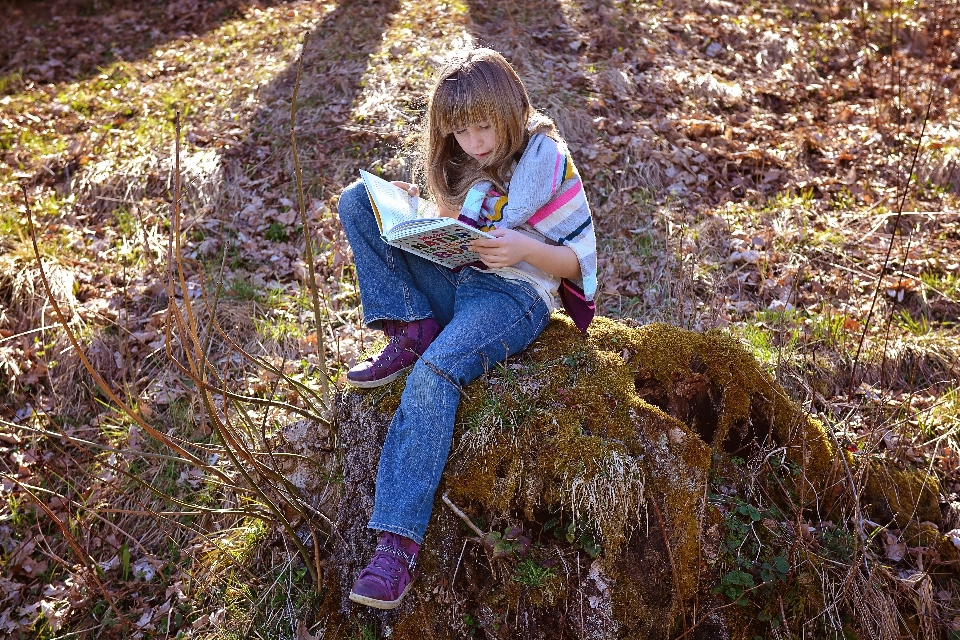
{"x":400,"y":531}
{"x":375,"y":320}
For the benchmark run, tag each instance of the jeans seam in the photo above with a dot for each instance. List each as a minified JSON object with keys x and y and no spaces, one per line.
{"x":448,"y":275}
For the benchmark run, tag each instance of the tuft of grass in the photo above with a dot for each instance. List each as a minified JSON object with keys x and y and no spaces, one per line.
{"x":279,"y":327}
{"x":760,"y":341}
{"x":241,"y":288}
{"x":906,"y":322}
{"x":10,"y":82}
{"x":947,"y":284}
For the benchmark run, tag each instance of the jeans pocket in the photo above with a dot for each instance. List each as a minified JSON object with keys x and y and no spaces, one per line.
{"x":531,"y":296}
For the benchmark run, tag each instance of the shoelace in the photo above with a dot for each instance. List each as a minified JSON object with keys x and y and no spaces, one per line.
{"x":386,"y":564}
{"x":393,"y":343}
{"x":411,"y":560}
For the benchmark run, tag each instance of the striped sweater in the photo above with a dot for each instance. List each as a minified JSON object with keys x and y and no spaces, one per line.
{"x":545,"y":193}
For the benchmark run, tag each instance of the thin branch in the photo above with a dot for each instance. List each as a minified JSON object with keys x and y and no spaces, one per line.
{"x":461,"y":514}
{"x":311,"y":275}
{"x":886,"y":259}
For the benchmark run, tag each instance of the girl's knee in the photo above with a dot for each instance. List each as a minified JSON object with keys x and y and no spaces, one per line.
{"x":353,"y":200}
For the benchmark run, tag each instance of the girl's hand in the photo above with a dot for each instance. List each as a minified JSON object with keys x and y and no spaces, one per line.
{"x":507,"y":248}
{"x":412,"y":189}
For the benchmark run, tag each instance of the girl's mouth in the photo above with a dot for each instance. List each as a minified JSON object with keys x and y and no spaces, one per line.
{"x":482,"y":155}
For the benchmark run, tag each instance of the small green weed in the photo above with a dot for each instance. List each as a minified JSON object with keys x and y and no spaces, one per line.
{"x":472,"y":624}
{"x":490,"y":414}
{"x":127,"y":224}
{"x":511,"y":542}
{"x":276,"y":232}
{"x":756,"y":558}
{"x":578,"y":533}
{"x":531,"y":573}
{"x":367,"y":632}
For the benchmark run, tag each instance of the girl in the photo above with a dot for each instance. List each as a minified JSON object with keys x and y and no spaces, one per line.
{"x":493,"y":161}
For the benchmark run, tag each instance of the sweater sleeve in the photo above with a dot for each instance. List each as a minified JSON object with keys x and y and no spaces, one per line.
{"x":534,"y":181}
{"x":470,"y":211}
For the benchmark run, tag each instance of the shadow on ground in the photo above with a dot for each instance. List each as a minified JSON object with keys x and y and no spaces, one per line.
{"x":74,"y":39}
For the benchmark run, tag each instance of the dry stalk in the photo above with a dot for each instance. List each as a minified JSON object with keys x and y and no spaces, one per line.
{"x":74,"y":544}
{"x":303,"y":391}
{"x":321,"y":348}
{"x":101,"y":383}
{"x":157,"y":516}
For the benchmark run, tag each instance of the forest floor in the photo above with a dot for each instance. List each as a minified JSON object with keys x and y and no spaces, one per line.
{"x":787,"y":171}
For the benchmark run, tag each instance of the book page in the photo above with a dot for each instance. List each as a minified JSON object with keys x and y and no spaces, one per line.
{"x":419,"y":225}
{"x":392,"y":204}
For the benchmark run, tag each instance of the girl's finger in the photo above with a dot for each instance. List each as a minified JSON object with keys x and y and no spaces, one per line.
{"x":412,"y":189}
{"x":493,"y":243}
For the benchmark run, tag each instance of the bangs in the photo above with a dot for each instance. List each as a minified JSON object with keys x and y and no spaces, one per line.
{"x":460,"y":101}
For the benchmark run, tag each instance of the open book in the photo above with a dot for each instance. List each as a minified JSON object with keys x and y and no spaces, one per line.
{"x":414,"y":225}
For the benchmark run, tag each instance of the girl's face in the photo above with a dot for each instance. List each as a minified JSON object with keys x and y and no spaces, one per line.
{"x":477,"y":140}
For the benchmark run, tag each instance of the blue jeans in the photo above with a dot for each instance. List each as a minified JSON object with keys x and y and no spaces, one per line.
{"x":484,"y":319}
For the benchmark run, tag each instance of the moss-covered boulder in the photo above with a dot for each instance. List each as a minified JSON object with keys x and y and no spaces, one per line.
{"x":602,"y":450}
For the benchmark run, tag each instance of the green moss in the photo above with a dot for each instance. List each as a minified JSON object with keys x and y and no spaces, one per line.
{"x":589,"y":444}
{"x":901,"y":495}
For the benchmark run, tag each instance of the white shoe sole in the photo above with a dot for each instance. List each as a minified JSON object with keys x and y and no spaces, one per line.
{"x":380,"y":604}
{"x":378,"y":383}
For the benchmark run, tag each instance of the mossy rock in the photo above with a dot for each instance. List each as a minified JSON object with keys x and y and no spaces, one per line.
{"x":600,"y":448}
{"x":899,"y":496}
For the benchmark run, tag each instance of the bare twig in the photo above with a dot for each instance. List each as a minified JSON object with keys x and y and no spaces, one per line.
{"x":321,"y":348}
{"x":461,"y":515}
{"x":74,"y":545}
{"x":886,"y":259}
{"x":162,"y":437}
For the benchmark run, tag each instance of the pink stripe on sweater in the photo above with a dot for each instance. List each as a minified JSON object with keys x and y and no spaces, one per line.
{"x":553,"y":205}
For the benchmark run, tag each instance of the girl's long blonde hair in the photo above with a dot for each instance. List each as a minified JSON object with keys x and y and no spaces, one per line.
{"x":473,"y":86}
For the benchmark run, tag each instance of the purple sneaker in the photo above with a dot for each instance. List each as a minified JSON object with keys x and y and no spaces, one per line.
{"x":390,"y":574}
{"x":408,"y":341}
